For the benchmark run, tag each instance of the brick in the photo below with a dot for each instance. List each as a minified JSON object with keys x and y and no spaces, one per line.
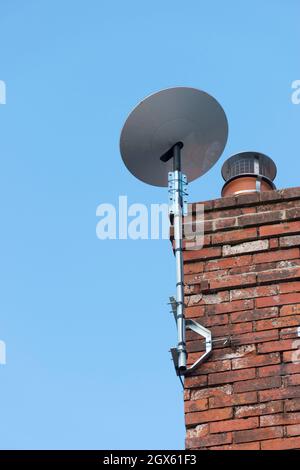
{"x":292,"y":405}
{"x":231,"y":376}
{"x":259,"y":409}
{"x":252,"y":315}
{"x":192,"y":268}
{"x":256,"y":361}
{"x":280,"y":419}
{"x":234,"y":236}
{"x":292,"y":380}
{"x":289,"y":287}
{"x":234,"y":306}
{"x":281,"y":322}
{"x":209,"y":367}
{"x":256,"y":337}
{"x":207,"y":416}
{"x":273,"y":243}
{"x":195,"y":382}
{"x":226,"y":330}
{"x":196,"y":405}
{"x":282,"y":299}
{"x":293,"y":356}
{"x":211,"y":392}
{"x":229,"y":201}
{"x":199,"y":431}
{"x":277,"y":229}
{"x":281,"y":444}
{"x":234,"y":425}
{"x":293,"y":240}
{"x":250,"y":293}
{"x":279,"y":394}
{"x":270,"y":371}
{"x":194,"y":311}
{"x":257,"y":435}
{"x":293,"y":430}
{"x":205,"y":253}
{"x":246,"y":199}
{"x":278,"y":274}
{"x":260,"y":218}
{"x":247,"y":446}
{"x":230,"y":353}
{"x":290,"y":193}
{"x":227,"y":263}
{"x":234,"y":280}
{"x":208,"y":441}
{"x":257,"y":384}
{"x":247,"y":247}
{"x":278,"y":255}
{"x":273,"y":346}
{"x":287,"y":310}
{"x":233,"y":400}
{"x":223,"y":224}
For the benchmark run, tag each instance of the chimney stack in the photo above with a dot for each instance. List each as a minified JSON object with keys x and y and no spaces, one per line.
{"x":248,"y":172}
{"x":244,"y":285}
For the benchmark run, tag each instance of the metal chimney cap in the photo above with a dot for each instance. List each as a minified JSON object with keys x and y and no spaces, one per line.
{"x":249,"y":163}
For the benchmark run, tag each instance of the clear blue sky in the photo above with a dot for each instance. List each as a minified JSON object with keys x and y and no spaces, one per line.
{"x":85,"y":321}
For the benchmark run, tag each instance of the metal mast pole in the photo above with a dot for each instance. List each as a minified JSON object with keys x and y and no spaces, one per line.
{"x":178,"y":213}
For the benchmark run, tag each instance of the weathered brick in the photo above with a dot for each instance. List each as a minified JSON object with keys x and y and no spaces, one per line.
{"x":293,"y":430}
{"x":257,"y":434}
{"x":277,"y":255}
{"x":281,"y":322}
{"x":233,"y":400}
{"x":256,"y":337}
{"x":231,"y":281}
{"x":207,"y":416}
{"x":292,"y":405}
{"x":230,"y":376}
{"x":205,"y":253}
{"x":259,"y":409}
{"x":208,"y":441}
{"x":234,"y":425}
{"x":293,"y":240}
{"x":227,"y":263}
{"x":234,"y":306}
{"x":287,"y":310}
{"x":292,"y":380}
{"x":279,"y":394}
{"x":277,"y":300}
{"x":280,"y":419}
{"x":247,"y":446}
{"x":289,"y":287}
{"x":247,"y":247}
{"x":278,"y":274}
{"x":256,"y":361}
{"x":223,"y":224}
{"x":260,"y":218}
{"x":252,"y":315}
{"x":277,"y":229}
{"x":192,"y":268}
{"x":273,"y":346}
{"x":281,"y":444}
{"x":196,"y":405}
{"x":211,"y":392}
{"x":293,"y":356}
{"x":257,"y":384}
{"x":234,"y":236}
{"x":252,"y":292}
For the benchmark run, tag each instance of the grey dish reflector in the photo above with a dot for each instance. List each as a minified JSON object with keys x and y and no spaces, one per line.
{"x":165,"y":118}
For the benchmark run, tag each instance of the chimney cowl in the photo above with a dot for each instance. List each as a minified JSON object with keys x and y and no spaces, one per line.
{"x":248,"y":172}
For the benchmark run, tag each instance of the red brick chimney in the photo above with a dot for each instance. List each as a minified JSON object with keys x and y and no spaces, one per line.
{"x":244,"y":285}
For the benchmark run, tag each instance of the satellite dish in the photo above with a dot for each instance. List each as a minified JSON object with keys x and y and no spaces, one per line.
{"x":173,"y":136}
{"x":181,"y":114}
